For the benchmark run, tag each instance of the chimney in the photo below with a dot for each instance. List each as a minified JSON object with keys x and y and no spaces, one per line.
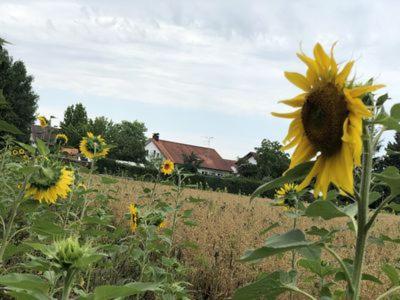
{"x":156,"y":136}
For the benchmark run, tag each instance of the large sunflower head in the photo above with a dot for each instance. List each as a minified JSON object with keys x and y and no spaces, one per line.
{"x":327,"y":122}
{"x":50,"y":183}
{"x":167,"y":167}
{"x":61,"y":139}
{"x":43,"y":121}
{"x":134,"y":220}
{"x":93,"y":146}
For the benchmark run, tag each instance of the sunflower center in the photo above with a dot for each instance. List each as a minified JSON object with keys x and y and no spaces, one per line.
{"x":323,"y":115}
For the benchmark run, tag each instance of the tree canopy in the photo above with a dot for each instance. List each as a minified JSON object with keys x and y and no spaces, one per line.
{"x":271,"y":162}
{"x":75,"y":124}
{"x":18,"y":101}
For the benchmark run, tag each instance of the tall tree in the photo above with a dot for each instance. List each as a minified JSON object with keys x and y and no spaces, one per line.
{"x":18,"y":101}
{"x":128,"y":139}
{"x":101,"y":126}
{"x":271,"y":161}
{"x":75,"y":123}
{"x":191,"y":162}
{"x":392,"y":156}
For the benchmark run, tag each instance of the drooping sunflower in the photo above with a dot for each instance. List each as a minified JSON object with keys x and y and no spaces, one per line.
{"x":327,"y":122}
{"x":50,"y":183}
{"x":284,"y":195}
{"x":43,"y":121}
{"x":134,"y":217}
{"x":167,"y":167}
{"x":61,"y":139}
{"x":93,"y":146}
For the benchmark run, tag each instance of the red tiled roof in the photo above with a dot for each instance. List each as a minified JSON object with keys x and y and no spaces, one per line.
{"x":175,"y":151}
{"x":70,"y":151}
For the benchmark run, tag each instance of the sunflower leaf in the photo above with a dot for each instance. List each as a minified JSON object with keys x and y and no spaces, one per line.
{"x":43,"y":150}
{"x":294,"y":239}
{"x":328,"y":210}
{"x":297,"y":173}
{"x":391,"y":177}
{"x":7,"y":127}
{"x":268,"y":286}
{"x":105,"y":292}
{"x":395,"y":111}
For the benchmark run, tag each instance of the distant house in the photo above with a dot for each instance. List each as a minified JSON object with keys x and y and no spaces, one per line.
{"x":44,"y":133}
{"x":249,"y":158}
{"x":211,"y":162}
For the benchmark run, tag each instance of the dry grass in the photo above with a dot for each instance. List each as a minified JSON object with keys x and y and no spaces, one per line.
{"x":228,"y":225}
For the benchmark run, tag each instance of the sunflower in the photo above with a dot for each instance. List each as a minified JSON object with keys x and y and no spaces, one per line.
{"x":93,"y":146}
{"x":43,"y":121}
{"x":167,"y":167}
{"x":327,"y":122}
{"x":61,"y":138}
{"x":162,"y":225}
{"x":49,"y":184}
{"x":15,"y":152}
{"x":134,"y":217}
{"x":285,"y":195}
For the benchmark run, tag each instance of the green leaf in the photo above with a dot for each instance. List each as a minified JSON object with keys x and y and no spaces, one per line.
{"x":373,"y":197}
{"x":29,"y":148}
{"x":395,"y":111}
{"x":297,"y":173}
{"x":47,"y":228}
{"x":269,"y":286}
{"x":3,"y":100}
{"x":388,"y":121}
{"x":392,"y":274}
{"x":317,"y":267}
{"x":372,"y":278}
{"x":87,"y":260}
{"x":290,"y":240}
{"x":106,"y":292}
{"x":382,"y":99}
{"x":7,"y":127}
{"x":328,"y":210}
{"x":269,"y":228}
{"x":391,"y":177}
{"x":43,"y":150}
{"x":26,"y":282}
{"x":108,"y":180}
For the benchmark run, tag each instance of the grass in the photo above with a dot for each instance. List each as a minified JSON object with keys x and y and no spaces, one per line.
{"x":229,"y":224}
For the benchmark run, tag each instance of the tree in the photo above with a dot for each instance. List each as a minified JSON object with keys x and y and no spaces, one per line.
{"x":271,"y":161}
{"x":75,"y":124}
{"x":101,"y":126}
{"x":18,"y":102}
{"x":191,"y":162}
{"x":128,"y":140}
{"x":392,"y":156}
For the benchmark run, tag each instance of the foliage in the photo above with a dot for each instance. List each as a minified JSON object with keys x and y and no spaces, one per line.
{"x":234,"y":185}
{"x":101,"y":126}
{"x":75,"y":124}
{"x":128,"y":139}
{"x":74,"y":247}
{"x":191,"y":162}
{"x":18,"y":102}
{"x":271,"y":161}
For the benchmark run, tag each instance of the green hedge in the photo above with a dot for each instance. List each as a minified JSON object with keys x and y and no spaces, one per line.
{"x":234,"y":185}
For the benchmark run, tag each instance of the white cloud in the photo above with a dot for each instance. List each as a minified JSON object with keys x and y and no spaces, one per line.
{"x":225,"y":56}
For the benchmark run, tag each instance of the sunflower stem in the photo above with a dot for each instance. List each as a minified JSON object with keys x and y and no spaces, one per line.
{"x":362,"y":216}
{"x":68,"y":283}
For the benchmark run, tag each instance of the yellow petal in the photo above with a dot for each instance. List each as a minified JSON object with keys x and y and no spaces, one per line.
{"x":304,"y":152}
{"x":342,"y":76}
{"x":361,"y":90}
{"x":298,"y":80}
{"x":297,"y":101}
{"x":321,"y":58}
{"x":312,"y":72}
{"x":314,"y":171}
{"x":289,"y":115}
{"x":334,"y":68}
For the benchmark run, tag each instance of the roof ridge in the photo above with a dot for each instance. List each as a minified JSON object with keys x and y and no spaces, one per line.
{"x":187,"y":144}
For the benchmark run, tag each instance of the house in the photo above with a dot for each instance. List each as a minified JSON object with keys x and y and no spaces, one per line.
{"x":44,"y":133}
{"x":211,"y":162}
{"x":249,"y":158}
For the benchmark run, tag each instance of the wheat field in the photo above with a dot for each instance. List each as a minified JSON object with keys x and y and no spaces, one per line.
{"x":229,"y":224}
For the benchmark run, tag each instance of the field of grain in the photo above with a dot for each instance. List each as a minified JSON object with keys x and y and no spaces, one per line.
{"x":229,"y":224}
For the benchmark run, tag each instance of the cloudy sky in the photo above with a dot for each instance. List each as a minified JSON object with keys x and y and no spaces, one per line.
{"x":193,"y":69}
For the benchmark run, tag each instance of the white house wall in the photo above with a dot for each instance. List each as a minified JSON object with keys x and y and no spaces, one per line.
{"x":152,"y":151}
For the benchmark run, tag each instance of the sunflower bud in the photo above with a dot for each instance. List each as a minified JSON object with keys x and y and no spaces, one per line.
{"x":68,"y":251}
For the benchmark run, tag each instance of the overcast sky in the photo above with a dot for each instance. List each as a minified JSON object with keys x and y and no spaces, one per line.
{"x":193,"y":69}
